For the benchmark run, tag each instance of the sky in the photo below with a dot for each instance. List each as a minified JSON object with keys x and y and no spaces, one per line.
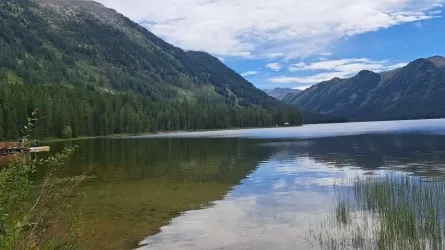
{"x":297,"y":43}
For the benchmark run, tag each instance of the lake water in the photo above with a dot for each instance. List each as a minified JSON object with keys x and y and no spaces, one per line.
{"x":241,"y":189}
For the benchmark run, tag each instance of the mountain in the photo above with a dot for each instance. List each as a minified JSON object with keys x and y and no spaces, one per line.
{"x":308,"y":117}
{"x":83,"y":63}
{"x":415,"y":91}
{"x":281,"y":93}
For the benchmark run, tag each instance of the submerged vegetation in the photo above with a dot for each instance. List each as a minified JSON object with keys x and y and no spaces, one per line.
{"x":140,"y":185}
{"x":390,"y":212}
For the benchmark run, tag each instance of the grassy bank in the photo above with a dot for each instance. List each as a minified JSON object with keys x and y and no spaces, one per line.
{"x":52,"y":140}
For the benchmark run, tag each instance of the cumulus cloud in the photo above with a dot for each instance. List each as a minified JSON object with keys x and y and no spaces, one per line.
{"x":274,"y":66}
{"x":329,"y":69}
{"x":249,"y":73}
{"x":307,"y":79}
{"x":270,"y":29}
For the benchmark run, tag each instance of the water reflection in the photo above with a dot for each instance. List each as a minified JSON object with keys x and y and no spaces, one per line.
{"x":141,"y":184}
{"x":433,"y":126}
{"x":234,"y":193}
{"x":271,"y":209}
{"x":295,"y":189}
{"x":420,"y":154}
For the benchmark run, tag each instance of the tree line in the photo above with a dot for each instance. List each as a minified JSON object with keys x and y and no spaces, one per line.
{"x":72,"y":111}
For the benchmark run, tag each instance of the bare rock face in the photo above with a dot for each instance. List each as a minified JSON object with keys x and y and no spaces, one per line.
{"x":58,"y":12}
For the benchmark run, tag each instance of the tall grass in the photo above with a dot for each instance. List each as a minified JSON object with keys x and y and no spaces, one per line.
{"x":390,"y":212}
{"x":38,"y":214}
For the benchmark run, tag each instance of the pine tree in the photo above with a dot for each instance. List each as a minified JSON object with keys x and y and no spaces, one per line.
{"x":1,"y":123}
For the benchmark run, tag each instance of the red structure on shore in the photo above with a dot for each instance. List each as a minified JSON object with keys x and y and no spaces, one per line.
{"x":11,"y":148}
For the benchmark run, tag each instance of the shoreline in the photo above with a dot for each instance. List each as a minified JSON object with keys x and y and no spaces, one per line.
{"x":81,"y":138}
{"x":53,"y":140}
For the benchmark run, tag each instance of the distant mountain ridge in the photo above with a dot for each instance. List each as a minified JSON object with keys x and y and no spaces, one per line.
{"x":281,"y":93}
{"x":415,"y":91}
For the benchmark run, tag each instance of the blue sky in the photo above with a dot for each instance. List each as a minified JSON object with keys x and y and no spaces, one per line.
{"x":397,"y":45}
{"x":297,"y":43}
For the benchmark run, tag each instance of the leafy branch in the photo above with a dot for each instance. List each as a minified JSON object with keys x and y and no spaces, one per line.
{"x":29,"y":127}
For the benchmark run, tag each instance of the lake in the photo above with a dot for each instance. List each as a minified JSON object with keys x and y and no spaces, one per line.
{"x":307,"y":187}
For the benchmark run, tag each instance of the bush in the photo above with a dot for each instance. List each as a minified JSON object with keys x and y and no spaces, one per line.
{"x":67,"y":132}
{"x":31,"y":213}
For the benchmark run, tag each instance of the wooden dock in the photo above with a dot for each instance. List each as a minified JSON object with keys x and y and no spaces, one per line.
{"x":39,"y":149}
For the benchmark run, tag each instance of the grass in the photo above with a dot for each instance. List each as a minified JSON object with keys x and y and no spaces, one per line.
{"x":32,"y":212}
{"x":13,"y":78}
{"x":52,"y":140}
{"x":391,"y":212}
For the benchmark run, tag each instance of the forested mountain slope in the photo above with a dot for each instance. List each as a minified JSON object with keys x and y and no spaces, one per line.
{"x":93,"y":70}
{"x":415,"y":91}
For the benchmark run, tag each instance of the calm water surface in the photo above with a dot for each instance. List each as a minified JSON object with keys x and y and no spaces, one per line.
{"x":241,"y":189}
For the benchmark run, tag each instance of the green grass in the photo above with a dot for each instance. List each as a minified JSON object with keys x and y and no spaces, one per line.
{"x":391,"y":212}
{"x":52,"y":140}
{"x":13,"y":78}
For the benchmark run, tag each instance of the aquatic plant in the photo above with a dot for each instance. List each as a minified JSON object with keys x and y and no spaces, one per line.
{"x":391,"y":212}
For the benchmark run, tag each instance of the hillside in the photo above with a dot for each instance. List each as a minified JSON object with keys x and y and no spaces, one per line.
{"x":78,"y":59}
{"x":415,"y":91}
{"x":307,"y":117}
{"x":281,"y":93}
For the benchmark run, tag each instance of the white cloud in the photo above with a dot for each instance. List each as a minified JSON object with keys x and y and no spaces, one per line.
{"x":249,"y":73}
{"x":307,"y":79}
{"x":325,"y":54}
{"x":396,"y":66}
{"x":272,"y":29}
{"x":341,"y":68}
{"x":343,"y":65}
{"x":303,"y":87}
{"x":274,"y":66}
{"x":418,"y":25}
{"x":273,"y":55}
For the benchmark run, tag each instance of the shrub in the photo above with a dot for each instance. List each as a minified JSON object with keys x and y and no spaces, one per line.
{"x":37,"y":215}
{"x":67,"y":132}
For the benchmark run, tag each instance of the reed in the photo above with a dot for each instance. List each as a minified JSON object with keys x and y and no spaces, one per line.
{"x":391,"y":212}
